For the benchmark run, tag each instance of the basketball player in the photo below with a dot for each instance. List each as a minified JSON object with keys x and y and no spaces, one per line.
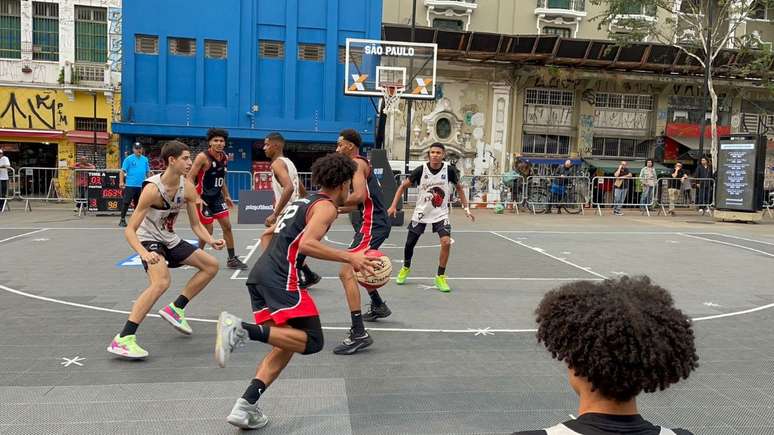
{"x":287,"y":189}
{"x":285,"y":314}
{"x":209,"y":174}
{"x":434,"y":179}
{"x":372,"y":231}
{"x":151,"y":233}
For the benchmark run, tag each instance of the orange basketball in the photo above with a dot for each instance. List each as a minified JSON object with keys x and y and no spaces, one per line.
{"x":381,"y":274}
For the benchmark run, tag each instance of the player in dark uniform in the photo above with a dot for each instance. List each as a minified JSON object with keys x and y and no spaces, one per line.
{"x":209,"y":175}
{"x":370,"y":233}
{"x":285,"y":314}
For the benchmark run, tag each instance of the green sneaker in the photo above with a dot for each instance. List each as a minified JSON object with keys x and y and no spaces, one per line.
{"x":176,"y":317}
{"x":127,"y":347}
{"x":402,"y":275}
{"x":441,"y":284}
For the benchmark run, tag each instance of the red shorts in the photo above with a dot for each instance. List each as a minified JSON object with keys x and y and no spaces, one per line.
{"x":280,"y":305}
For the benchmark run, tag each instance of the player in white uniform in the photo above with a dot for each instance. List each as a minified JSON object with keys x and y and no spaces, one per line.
{"x":287,"y":189}
{"x":434,"y":179}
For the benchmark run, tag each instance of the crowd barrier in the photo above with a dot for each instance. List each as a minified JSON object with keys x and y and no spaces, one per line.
{"x":262,"y":181}
{"x":8,"y":190}
{"x":685,"y":192}
{"x":545,"y":192}
{"x":620,"y":193}
{"x":45,"y":185}
{"x":487,"y":191}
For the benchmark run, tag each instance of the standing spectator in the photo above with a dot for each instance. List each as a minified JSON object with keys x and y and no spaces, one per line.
{"x":134,"y":171}
{"x":648,"y":182}
{"x":679,"y":177}
{"x":84,"y":163}
{"x":622,"y":178}
{"x":704,"y":193}
{"x":82,"y":180}
{"x":618,"y":338}
{"x":4,"y":165}
{"x":559,"y":186}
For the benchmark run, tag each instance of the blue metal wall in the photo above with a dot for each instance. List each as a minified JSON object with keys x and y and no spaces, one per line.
{"x":172,"y":95}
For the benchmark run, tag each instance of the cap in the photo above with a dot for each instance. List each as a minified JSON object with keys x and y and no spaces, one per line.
{"x":137,"y":145}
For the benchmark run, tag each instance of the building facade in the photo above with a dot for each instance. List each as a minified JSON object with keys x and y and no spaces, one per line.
{"x":249,"y":66}
{"x":60,"y":83}
{"x":497,"y":102}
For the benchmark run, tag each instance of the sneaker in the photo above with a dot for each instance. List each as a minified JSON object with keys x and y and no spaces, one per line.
{"x":378,"y":312}
{"x":122,"y":223}
{"x":308,"y":281}
{"x":402,"y":275}
{"x":352,"y":344}
{"x":176,"y":317}
{"x":228,"y":337}
{"x":246,"y":416}
{"x":441,"y":284}
{"x":127,"y":347}
{"x":235,"y":263}
{"x":701,"y":212}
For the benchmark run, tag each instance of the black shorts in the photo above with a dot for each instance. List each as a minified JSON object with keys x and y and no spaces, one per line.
{"x":280,"y":305}
{"x":214,"y":208}
{"x":174,"y":256}
{"x":443,"y":228}
{"x":365,"y":240}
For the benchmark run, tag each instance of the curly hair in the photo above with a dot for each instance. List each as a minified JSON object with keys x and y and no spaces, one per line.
{"x":623,"y":335}
{"x":333,"y":170}
{"x":216,"y":132}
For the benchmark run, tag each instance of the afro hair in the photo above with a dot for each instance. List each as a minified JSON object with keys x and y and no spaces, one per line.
{"x":333,"y":170}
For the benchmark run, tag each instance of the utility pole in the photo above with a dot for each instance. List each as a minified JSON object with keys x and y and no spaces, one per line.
{"x":707,"y":65}
{"x":409,"y":100}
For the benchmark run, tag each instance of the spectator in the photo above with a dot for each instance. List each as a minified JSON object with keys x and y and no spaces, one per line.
{"x":84,"y":163}
{"x":622,"y":178}
{"x":134,"y":171}
{"x":648,"y":182}
{"x":559,"y":185}
{"x":704,"y":183}
{"x":679,"y":178}
{"x":618,"y":338}
{"x":4,"y":165}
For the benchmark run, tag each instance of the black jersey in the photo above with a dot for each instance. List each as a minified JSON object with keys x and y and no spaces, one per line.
{"x":277,"y":268}
{"x":210,"y":180}
{"x":373,"y":209}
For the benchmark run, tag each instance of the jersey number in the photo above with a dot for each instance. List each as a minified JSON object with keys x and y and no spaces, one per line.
{"x":219,"y":182}
{"x":288,"y":214}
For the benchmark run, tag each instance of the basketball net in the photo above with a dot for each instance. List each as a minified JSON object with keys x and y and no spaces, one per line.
{"x":391,"y":93}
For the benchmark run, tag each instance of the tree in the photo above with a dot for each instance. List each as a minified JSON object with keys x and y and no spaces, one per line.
{"x":702,"y":29}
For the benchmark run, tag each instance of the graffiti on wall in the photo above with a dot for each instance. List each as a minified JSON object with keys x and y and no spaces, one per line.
{"x":622,"y":119}
{"x":115,"y":52}
{"x":41,"y":111}
{"x":585,"y":134}
{"x":548,"y":115}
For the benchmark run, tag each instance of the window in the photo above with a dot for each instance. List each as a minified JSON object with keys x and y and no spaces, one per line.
{"x":558,"y":31}
{"x":45,"y":31}
{"x":90,"y":34}
{"x":182,"y":46}
{"x":619,"y":147}
{"x":271,"y":49}
{"x":760,"y":12}
{"x":144,"y":44}
{"x":553,"y":97}
{"x":447,"y":24}
{"x":545,"y":144}
{"x":10,"y":29}
{"x":690,"y":7}
{"x":215,"y":49}
{"x":311,"y":52}
{"x":355,"y":55}
{"x":443,"y":128}
{"x":89,"y":124}
{"x":623,"y":101}
{"x":635,"y":7}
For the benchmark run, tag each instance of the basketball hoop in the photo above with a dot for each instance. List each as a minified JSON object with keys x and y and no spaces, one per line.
{"x":391,"y":93}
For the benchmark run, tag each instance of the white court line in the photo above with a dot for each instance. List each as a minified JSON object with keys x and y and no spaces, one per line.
{"x":469,"y":278}
{"x":540,"y":251}
{"x":735,"y":237}
{"x":235,"y":275}
{"x":768,"y":254}
{"x":386,"y":247}
{"x":737,"y":313}
{"x":40,"y":230}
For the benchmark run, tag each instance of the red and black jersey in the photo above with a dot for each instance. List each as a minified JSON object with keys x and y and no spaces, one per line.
{"x":373,"y":209}
{"x":277,"y":268}
{"x":211,"y":178}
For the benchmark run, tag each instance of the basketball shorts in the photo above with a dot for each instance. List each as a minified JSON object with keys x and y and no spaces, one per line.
{"x":280,"y":305}
{"x":175,"y":256}
{"x":214,"y":208}
{"x":373,"y":240}
{"x":443,"y":228}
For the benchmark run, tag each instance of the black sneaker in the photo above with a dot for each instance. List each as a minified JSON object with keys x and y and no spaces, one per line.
{"x":122,"y":223}
{"x":378,"y":312}
{"x":235,"y":263}
{"x":352,"y":344}
{"x":308,"y":281}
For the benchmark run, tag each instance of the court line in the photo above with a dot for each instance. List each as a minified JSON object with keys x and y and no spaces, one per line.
{"x":469,"y":278}
{"x":235,"y":275}
{"x":40,"y":230}
{"x":737,"y":313}
{"x":386,"y":247}
{"x":540,"y":251}
{"x":768,"y":254}
{"x":736,"y":237}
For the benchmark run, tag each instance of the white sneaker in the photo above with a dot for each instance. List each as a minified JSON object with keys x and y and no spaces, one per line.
{"x":247,"y":416}
{"x":229,"y":336}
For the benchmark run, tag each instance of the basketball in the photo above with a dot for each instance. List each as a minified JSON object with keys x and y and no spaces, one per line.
{"x":381,"y":274}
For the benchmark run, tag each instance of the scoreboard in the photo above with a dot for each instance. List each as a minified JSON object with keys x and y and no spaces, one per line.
{"x":103,"y":191}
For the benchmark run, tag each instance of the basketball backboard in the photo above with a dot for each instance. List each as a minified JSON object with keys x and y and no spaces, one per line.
{"x":369,"y":64}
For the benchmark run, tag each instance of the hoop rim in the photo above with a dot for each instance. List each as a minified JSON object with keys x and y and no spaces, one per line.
{"x":392,"y":88}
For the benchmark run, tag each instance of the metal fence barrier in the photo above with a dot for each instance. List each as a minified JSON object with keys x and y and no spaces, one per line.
{"x":544,"y":193}
{"x":7,"y":190}
{"x":45,"y":185}
{"x":262,"y":181}
{"x":486,"y":191}
{"x":620,"y":193}
{"x":237,"y":181}
{"x":685,"y":193}
{"x":768,"y":204}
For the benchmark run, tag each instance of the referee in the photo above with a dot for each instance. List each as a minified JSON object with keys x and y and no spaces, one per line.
{"x":134,"y":170}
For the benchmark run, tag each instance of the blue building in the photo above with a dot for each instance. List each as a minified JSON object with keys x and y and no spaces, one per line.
{"x":250,"y":66}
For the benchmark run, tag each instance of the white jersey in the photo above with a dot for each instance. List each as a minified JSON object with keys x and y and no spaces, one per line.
{"x":561,"y":429}
{"x":434,"y":193}
{"x":275,"y":185}
{"x":158,"y":225}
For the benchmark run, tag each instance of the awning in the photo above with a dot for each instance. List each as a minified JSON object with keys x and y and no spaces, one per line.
{"x":87,"y":137}
{"x":688,"y":134}
{"x":610,"y":166}
{"x":31,"y":133}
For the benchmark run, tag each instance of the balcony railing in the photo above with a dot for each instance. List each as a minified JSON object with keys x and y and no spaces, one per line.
{"x":565,"y":5}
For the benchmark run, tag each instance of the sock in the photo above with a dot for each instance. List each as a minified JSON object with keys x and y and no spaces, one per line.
{"x":231,"y":253}
{"x":257,"y":332}
{"x":357,"y":322}
{"x":181,"y":302}
{"x":441,"y":270}
{"x":376,"y":300}
{"x":307,"y":271}
{"x":130,"y":328}
{"x":254,"y":391}
{"x":407,"y":263}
